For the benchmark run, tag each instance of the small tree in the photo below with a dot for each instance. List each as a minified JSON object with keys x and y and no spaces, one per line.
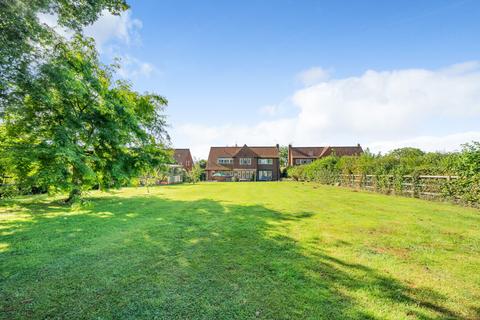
{"x":203,"y":164}
{"x":195,"y":174}
{"x":283,"y":156}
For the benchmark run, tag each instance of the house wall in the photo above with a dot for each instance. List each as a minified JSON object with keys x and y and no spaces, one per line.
{"x":290,"y":155}
{"x":237,"y":165}
{"x":188,"y":166}
{"x":275,"y":168}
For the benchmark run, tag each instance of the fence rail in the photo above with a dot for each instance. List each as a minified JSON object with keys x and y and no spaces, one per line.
{"x":423,"y":186}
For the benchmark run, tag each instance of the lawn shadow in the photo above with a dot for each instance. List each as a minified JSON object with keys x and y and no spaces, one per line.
{"x":148,"y":257}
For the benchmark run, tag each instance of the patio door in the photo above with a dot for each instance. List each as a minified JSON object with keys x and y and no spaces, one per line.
{"x":245,"y":174}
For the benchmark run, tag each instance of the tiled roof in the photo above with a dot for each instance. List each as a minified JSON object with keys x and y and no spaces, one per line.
{"x":307,"y":152}
{"x":318,"y":152}
{"x":230,"y":152}
{"x":181,"y":155}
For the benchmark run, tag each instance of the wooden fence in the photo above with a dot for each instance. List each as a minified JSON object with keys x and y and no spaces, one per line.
{"x":424,"y":186}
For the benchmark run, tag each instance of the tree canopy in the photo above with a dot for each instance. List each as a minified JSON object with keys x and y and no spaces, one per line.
{"x":66,"y":123}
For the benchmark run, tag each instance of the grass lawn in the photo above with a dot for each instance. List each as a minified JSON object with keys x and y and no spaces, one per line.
{"x":275,"y":250}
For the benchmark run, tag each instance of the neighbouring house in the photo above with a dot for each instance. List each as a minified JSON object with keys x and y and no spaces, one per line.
{"x":183,"y":161}
{"x":304,"y":155}
{"x":184,"y":158}
{"x":243,"y":164}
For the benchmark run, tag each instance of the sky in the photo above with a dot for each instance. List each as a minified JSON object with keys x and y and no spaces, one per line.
{"x":385,"y":74}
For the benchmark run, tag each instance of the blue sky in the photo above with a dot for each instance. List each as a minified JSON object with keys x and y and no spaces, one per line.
{"x":382,"y":73}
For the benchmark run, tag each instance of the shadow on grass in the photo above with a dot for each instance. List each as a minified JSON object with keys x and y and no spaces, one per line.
{"x":147,"y":257}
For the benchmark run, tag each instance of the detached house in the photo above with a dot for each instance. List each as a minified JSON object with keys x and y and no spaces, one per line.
{"x":182,"y":161}
{"x":184,"y":158}
{"x":243,"y":164}
{"x":304,"y":155}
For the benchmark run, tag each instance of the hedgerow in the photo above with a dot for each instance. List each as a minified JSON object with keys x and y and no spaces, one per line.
{"x":454,"y":175}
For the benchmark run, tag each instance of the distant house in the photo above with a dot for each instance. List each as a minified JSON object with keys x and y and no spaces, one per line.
{"x":304,"y":155}
{"x":243,"y":164}
{"x":184,"y":158}
{"x":182,"y":162}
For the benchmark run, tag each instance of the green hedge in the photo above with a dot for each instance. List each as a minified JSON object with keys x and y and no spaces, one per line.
{"x":401,"y":167}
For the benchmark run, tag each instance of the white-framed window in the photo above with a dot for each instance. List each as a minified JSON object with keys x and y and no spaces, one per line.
{"x":303,"y":161}
{"x":224,"y":160}
{"x":245,"y":161}
{"x":265,"y":175}
{"x":265,"y":161}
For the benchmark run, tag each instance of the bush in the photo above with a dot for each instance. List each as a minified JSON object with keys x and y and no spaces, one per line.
{"x":392,"y":171}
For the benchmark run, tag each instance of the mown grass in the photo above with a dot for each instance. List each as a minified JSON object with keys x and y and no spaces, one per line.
{"x":239,"y":251}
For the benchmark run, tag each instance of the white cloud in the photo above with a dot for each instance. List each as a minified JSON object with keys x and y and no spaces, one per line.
{"x":450,"y":142}
{"x":106,"y":29}
{"x":109,"y":27}
{"x":110,"y":33}
{"x":51,"y":20}
{"x":132,"y":68}
{"x":269,"y":110}
{"x":313,"y":76}
{"x":381,"y":109}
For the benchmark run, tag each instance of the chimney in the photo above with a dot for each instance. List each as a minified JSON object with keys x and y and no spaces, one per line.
{"x":278,"y":146}
{"x":289,"y":146}
{"x":358,"y":145}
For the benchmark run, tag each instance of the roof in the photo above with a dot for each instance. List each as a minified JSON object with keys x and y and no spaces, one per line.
{"x":318,"y":152}
{"x":231,"y":152}
{"x":181,"y":155}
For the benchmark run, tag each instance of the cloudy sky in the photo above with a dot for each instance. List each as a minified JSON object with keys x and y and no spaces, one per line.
{"x":378,"y":73}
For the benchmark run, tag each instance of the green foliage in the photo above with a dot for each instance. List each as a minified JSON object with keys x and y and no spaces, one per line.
{"x":25,"y":41}
{"x":65,"y":125}
{"x":195,"y":174}
{"x":203,"y":165}
{"x":467,"y":166}
{"x":75,"y":127}
{"x":391,"y":172}
{"x":283,"y":153}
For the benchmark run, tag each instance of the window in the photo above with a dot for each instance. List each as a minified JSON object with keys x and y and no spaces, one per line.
{"x":303,"y":161}
{"x":245,"y":161}
{"x":265,"y":175}
{"x":224,"y":160}
{"x":265,"y":161}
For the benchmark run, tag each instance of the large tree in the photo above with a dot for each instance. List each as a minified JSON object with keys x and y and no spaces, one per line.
{"x":65,"y":124}
{"x":75,"y":127}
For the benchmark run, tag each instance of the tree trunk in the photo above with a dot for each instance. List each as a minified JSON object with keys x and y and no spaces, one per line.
{"x":74,"y":195}
{"x":76,"y":192}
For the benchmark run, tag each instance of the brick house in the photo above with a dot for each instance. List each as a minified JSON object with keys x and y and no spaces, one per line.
{"x":243,"y":163}
{"x":304,"y":155}
{"x":184,"y":158}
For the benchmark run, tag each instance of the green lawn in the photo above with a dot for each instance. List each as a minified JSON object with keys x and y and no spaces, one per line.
{"x":239,"y":251}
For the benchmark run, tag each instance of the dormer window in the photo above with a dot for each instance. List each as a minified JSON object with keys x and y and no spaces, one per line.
{"x":224,"y":160}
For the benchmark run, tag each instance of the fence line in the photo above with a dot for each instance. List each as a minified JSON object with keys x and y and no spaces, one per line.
{"x":423,"y":186}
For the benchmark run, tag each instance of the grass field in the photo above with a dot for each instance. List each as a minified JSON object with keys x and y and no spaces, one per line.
{"x":239,"y":251}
